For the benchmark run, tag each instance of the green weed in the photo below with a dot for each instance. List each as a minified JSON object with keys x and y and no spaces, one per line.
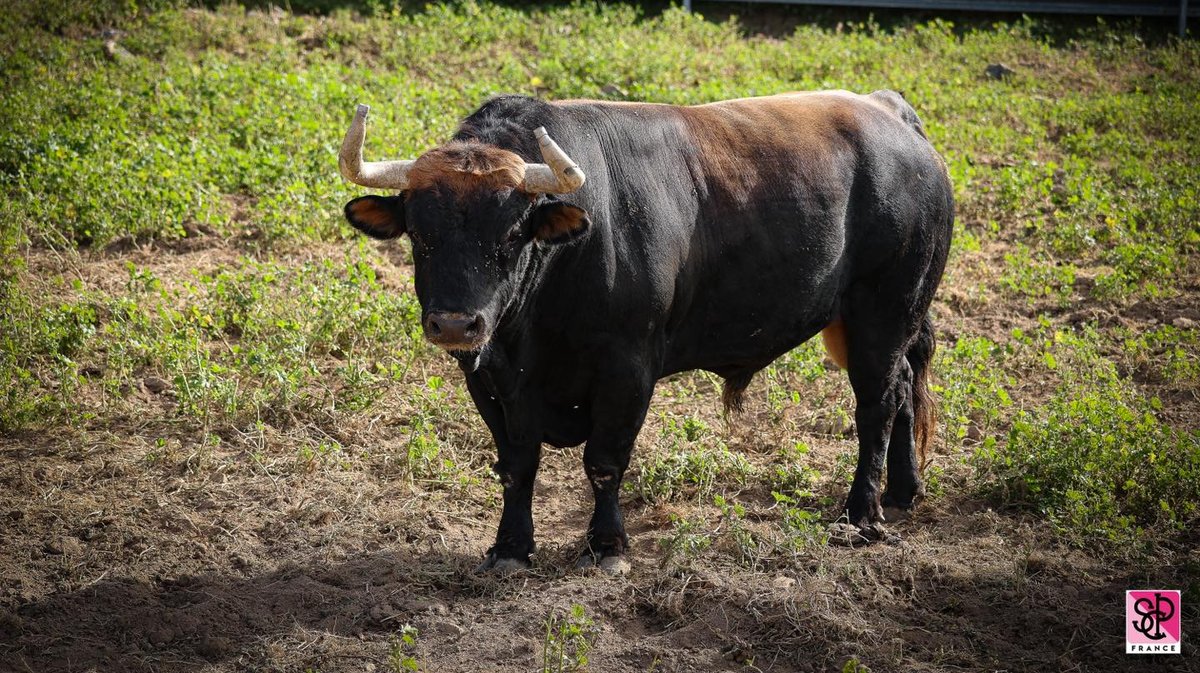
{"x":567,"y":642}
{"x":400,"y":650}
{"x":693,"y":464}
{"x":687,"y":540}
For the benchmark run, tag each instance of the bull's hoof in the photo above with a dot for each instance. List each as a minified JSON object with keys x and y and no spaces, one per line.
{"x":896,"y":509}
{"x":501,"y":566}
{"x":844,"y":534}
{"x":617,"y":566}
{"x":895,"y":513}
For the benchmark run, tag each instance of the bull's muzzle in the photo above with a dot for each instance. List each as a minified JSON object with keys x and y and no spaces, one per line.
{"x":456,"y":331}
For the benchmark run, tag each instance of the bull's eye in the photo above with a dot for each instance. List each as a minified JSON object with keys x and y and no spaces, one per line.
{"x":512,"y":236}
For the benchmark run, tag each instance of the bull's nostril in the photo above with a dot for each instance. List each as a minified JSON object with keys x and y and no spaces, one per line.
{"x":434,"y":328}
{"x":474,"y":328}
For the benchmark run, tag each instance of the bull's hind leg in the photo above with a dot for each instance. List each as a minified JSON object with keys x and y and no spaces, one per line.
{"x":913,"y":428}
{"x":878,"y":335}
{"x":902,"y":477}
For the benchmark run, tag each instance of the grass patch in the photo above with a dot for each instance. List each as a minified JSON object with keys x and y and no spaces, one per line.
{"x":1097,"y":459}
{"x":695,"y":464}
{"x":249,"y":341}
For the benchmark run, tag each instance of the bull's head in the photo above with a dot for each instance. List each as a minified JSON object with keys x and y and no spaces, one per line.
{"x":472,"y":212}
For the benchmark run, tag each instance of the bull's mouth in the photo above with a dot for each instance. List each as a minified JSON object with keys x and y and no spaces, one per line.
{"x":470,"y":359}
{"x":457,"y":348}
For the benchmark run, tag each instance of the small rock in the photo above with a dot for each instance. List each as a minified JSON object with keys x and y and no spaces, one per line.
{"x":63,"y":545}
{"x":381,"y":613}
{"x":739,"y":654}
{"x":783,"y":582}
{"x":974,"y":434}
{"x":432,"y":607}
{"x":833,"y":425}
{"x":117,"y":53}
{"x":999,"y":71}
{"x":439,"y":609}
{"x":91,"y":371}
{"x":212,"y":647}
{"x":1183,"y":323}
{"x":161,"y":636}
{"x":155,"y":384}
{"x":447,"y":629}
{"x":614,"y":91}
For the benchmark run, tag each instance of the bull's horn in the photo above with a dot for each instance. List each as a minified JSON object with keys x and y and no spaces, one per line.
{"x":377,"y":174}
{"x":559,"y":175}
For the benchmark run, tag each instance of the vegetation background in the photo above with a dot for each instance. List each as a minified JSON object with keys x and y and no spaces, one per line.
{"x":226,"y":446}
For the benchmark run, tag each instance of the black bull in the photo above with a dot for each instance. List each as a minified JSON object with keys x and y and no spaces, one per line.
{"x":714,"y":237}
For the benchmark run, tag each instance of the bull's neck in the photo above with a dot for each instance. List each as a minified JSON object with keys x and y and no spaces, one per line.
{"x":516,"y":321}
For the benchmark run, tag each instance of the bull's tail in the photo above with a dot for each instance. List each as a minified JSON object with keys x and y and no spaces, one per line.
{"x":920,"y":355}
{"x":735,"y":392}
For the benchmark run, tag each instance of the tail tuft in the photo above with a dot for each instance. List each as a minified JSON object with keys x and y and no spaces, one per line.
{"x":734,"y":394}
{"x":920,"y":354}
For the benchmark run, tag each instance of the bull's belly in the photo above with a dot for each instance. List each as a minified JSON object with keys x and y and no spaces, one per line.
{"x":747,"y":338}
{"x":759,"y":293}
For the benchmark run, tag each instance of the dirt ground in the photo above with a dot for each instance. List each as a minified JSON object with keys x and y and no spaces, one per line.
{"x":232,"y":559}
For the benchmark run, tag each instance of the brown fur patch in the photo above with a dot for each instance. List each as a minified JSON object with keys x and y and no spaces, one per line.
{"x":461,"y":167}
{"x":735,"y":139}
{"x":834,"y":336}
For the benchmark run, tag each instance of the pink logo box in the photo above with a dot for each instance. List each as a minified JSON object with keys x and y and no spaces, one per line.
{"x":1152,"y":624}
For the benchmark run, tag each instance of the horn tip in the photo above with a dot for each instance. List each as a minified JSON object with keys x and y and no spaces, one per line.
{"x":362,"y":110}
{"x":540,"y":132}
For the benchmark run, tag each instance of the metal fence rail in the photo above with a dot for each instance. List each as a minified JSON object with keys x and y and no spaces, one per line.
{"x":1122,"y":7}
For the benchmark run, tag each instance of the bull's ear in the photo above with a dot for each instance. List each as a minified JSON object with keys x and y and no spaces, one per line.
{"x":557,"y":222}
{"x":377,"y":216}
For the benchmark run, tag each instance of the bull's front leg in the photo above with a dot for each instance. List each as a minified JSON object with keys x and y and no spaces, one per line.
{"x":516,"y":468}
{"x":618,"y":411}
